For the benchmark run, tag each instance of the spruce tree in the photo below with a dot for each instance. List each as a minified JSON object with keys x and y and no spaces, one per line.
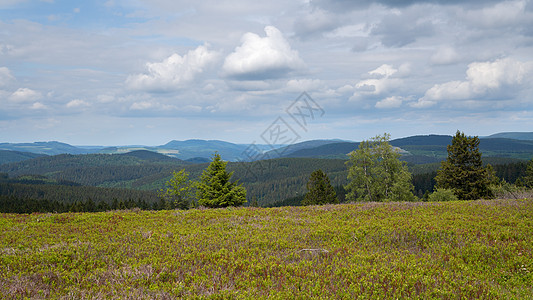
{"x":527,"y":180}
{"x":215,"y":188}
{"x":463,"y":170}
{"x":320,"y":190}
{"x":376,"y":174}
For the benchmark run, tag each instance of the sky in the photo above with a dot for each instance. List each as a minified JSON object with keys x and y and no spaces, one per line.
{"x":144,"y":72}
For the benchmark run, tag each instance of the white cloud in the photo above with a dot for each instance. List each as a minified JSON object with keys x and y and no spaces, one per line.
{"x":143,"y":105}
{"x":500,"y":78}
{"x":173,"y":72}
{"x":25,"y":95}
{"x":77,"y":103}
{"x":261,"y":58}
{"x":5,"y":76}
{"x":484,"y":76}
{"x":449,"y":90}
{"x":384,"y":70}
{"x":38,"y":105}
{"x":389,"y":102}
{"x":381,"y":82}
{"x":299,"y":85}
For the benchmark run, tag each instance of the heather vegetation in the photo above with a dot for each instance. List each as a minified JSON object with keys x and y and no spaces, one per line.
{"x":446,"y":250}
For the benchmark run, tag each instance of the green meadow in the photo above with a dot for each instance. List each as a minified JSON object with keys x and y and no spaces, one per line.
{"x":447,"y":250}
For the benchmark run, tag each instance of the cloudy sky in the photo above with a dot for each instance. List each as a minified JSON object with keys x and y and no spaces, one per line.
{"x":119,"y":72}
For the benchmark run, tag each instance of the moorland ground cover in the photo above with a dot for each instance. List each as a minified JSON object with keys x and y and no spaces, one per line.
{"x":451,"y":250}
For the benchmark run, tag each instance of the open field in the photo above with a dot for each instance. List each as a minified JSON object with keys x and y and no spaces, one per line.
{"x":453,"y":250}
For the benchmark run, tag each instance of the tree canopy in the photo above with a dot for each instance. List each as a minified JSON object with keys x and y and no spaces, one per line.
{"x":179,"y":190}
{"x":463,"y":170}
{"x":320,"y":190}
{"x":215,"y":188}
{"x":375,"y":173}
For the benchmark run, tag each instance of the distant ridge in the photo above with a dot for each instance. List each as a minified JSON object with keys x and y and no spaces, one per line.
{"x":48,"y":148}
{"x":528,"y":136}
{"x":149,"y":156}
{"x":9,"y":156}
{"x":425,"y":147}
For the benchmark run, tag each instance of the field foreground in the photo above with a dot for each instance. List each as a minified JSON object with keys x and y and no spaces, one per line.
{"x":475,"y":249}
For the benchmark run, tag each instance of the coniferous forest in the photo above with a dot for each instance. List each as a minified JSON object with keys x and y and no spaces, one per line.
{"x":106,"y":182}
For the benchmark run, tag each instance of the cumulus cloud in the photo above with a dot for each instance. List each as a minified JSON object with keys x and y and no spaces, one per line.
{"x":37,"y":105}
{"x":173,"y":72}
{"x":260,"y":58}
{"x":76,"y":103}
{"x":143,"y":105}
{"x":498,"y":79}
{"x":25,"y":95}
{"x":390,"y":102}
{"x":381,"y":81}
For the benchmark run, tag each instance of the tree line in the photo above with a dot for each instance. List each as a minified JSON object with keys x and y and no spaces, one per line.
{"x":375,"y":173}
{"x":24,"y":205}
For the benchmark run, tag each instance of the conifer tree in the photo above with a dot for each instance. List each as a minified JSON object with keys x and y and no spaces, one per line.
{"x":527,"y":180}
{"x":215,"y":188}
{"x":376,"y":173}
{"x":463,"y":170}
{"x":320,"y":190}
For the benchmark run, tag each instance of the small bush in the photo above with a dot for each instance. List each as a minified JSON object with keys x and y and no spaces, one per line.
{"x":442,"y":195}
{"x":505,"y":190}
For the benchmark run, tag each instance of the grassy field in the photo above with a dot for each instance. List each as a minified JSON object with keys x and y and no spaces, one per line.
{"x":453,"y":250}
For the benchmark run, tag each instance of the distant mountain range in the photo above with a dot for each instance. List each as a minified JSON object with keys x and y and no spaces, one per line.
{"x":415,"y":149}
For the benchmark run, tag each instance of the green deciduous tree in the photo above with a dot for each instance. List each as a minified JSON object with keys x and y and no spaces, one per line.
{"x":215,"y":188}
{"x":320,"y":190}
{"x":463,"y":170}
{"x":179,"y":190}
{"x":375,"y":173}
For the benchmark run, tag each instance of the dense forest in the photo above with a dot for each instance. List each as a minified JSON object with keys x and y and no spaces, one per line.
{"x":74,"y":182}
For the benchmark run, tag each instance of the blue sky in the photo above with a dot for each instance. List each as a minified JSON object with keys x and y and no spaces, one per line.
{"x":146,"y":72}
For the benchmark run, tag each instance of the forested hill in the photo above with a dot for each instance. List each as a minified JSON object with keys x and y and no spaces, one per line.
{"x":133,"y":169}
{"x":267,"y":181}
{"x":48,"y":148}
{"x":425,"y":149}
{"x":8,"y":156}
{"x":513,"y":135}
{"x":292,"y":150}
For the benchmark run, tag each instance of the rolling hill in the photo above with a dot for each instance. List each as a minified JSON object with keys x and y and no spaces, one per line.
{"x":9,"y":156}
{"x":425,"y":149}
{"x":421,"y":148}
{"x":528,"y":136}
{"x":48,"y":148}
{"x":267,"y":181}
